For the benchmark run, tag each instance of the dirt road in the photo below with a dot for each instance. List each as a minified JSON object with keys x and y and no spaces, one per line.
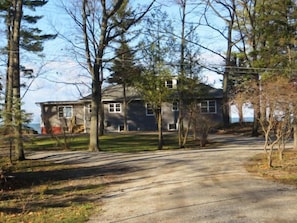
{"x":208,"y":185}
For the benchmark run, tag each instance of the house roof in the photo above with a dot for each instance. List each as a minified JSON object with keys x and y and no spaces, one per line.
{"x":59,"y":103}
{"x":211,"y":92}
{"x":115,"y":93}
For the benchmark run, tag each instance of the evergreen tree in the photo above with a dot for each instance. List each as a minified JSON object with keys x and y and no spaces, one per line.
{"x":18,"y":37}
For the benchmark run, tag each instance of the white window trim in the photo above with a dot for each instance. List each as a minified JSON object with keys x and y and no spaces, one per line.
{"x":177,"y":106}
{"x":64,"y":112}
{"x":169,"y":86}
{"x":89,"y":108}
{"x":170,"y":129}
{"x":114,"y":108}
{"x":146,"y":109}
{"x":208,"y":112}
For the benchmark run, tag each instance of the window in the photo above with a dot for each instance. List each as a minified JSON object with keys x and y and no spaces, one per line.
{"x":65,"y":111}
{"x":149,"y":109}
{"x":115,"y":108}
{"x":175,"y":106}
{"x":172,"y":126}
{"x":89,"y":108}
{"x":169,"y":84}
{"x":208,"y":107}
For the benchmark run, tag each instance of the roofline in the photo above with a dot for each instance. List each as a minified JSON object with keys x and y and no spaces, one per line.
{"x":59,"y":102}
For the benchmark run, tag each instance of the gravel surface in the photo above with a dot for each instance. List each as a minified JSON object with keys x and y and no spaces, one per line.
{"x":203,"y":185}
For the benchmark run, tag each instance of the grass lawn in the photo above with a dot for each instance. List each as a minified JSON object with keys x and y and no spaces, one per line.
{"x":113,"y":142}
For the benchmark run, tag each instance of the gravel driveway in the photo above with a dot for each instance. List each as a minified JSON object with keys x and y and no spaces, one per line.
{"x":209,"y":185}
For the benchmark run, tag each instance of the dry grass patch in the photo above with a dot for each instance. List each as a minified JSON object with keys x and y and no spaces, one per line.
{"x":39,"y":191}
{"x":284,"y":171}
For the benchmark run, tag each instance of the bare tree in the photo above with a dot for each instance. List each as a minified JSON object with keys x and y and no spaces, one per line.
{"x":98,"y":25}
{"x":278,"y":95}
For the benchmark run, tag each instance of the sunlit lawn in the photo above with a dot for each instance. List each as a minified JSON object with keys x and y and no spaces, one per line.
{"x":121,"y":142}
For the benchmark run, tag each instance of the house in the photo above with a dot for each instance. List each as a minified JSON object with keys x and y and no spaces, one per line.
{"x":74,"y":116}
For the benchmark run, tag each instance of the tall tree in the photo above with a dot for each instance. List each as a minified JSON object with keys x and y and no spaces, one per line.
{"x":14,"y":72}
{"x":123,"y":69}
{"x":19,"y":37}
{"x":151,"y":86}
{"x":182,"y":76}
{"x":267,"y":35}
{"x":188,"y":57}
{"x":225,"y":10}
{"x":96,"y":21}
{"x":156,"y":49}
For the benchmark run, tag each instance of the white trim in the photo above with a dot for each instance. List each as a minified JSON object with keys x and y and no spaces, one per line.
{"x":64,"y":112}
{"x":122,"y":125}
{"x":114,"y":109}
{"x":146,"y":109}
{"x":172,"y":129}
{"x":208,"y":107}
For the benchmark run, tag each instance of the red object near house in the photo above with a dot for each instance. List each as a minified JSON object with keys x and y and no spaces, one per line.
{"x":53,"y":130}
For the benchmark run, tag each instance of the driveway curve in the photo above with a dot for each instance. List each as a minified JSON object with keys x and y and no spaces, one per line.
{"x":203,"y":185}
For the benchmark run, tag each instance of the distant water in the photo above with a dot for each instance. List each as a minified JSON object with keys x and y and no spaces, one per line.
{"x":245,"y":119}
{"x":35,"y":126}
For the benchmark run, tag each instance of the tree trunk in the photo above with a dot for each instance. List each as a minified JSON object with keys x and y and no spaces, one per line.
{"x":94,"y":126}
{"x":226,"y":109}
{"x":160,"y":130}
{"x":182,"y":77}
{"x":101,"y":116}
{"x":226,"y":117}
{"x":240,"y":112}
{"x":295,"y":135}
{"x":125,"y":108}
{"x":257,"y":108}
{"x":15,"y":66}
{"x":8,"y":89}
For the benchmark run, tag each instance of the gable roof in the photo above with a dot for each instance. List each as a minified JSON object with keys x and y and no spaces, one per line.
{"x":210,"y":92}
{"x":115,"y":92}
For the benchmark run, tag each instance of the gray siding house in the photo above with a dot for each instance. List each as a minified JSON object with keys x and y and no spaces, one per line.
{"x":74,"y":116}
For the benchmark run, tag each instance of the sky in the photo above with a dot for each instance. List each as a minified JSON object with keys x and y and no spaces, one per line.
{"x":59,"y":65}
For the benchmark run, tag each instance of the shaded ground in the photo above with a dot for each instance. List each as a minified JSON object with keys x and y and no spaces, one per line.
{"x":209,"y":185}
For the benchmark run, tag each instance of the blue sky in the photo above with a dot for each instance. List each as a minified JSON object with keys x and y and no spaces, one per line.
{"x":59,"y":65}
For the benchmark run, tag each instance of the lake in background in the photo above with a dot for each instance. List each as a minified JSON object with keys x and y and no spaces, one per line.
{"x":35,"y":126}
{"x":245,"y":119}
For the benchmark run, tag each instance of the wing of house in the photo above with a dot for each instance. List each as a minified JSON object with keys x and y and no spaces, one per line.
{"x":74,"y":116}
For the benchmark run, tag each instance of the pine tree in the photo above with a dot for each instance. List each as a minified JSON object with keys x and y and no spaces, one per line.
{"x":19,"y":37}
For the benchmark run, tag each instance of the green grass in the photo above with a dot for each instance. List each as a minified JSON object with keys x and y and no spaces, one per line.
{"x":124,"y":142}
